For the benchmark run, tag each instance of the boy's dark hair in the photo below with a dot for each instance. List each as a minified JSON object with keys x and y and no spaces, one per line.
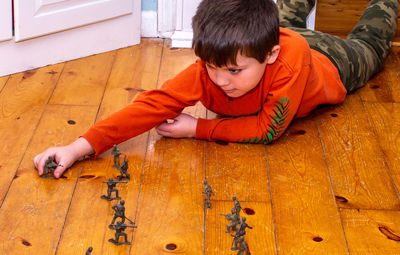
{"x":223,"y":28}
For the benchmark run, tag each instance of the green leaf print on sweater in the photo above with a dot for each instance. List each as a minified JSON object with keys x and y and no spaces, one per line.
{"x":281,"y":112}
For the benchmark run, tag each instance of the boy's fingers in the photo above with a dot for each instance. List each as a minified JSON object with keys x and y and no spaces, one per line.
{"x":59,"y":171}
{"x":36,"y":160}
{"x":162,"y":132}
{"x":164,"y":127}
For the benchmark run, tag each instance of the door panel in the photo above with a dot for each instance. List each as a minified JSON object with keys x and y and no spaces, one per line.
{"x":35,"y":18}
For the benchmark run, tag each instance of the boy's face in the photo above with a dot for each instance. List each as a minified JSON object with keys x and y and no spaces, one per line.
{"x":237,"y":80}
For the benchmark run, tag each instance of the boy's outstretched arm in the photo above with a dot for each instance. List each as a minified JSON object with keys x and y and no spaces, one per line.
{"x":65,"y":156}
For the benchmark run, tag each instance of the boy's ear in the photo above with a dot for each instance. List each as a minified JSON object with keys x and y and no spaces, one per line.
{"x":273,"y":54}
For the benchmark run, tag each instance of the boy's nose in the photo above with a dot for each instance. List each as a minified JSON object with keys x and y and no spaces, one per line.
{"x":221,"y":80}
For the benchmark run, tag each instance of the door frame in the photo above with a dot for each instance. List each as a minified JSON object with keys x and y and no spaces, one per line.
{"x":171,"y":14}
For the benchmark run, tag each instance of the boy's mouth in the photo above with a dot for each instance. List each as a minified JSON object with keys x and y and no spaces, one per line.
{"x":229,"y":91}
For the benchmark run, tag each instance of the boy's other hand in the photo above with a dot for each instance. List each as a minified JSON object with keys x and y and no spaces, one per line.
{"x":184,"y":125}
{"x":65,"y":156}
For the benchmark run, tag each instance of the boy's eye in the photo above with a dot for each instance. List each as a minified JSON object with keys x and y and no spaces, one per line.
{"x":235,"y":71}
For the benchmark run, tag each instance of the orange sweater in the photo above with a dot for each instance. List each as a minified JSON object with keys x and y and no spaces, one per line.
{"x":298,"y":81}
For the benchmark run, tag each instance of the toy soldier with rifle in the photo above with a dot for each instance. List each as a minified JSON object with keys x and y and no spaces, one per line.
{"x":110,"y":188}
{"x":123,"y":169}
{"x":240,"y":244}
{"x":242,"y":227}
{"x":115,"y":151}
{"x":237,"y":207}
{"x":119,"y":228}
{"x":119,"y":212}
{"x":208,"y":192}
{"x":234,"y":218}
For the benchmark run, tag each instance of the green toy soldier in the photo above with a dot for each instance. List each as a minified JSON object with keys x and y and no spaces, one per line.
{"x":49,"y":167}
{"x":241,"y":245}
{"x":89,"y":250}
{"x":208,"y":192}
{"x":115,"y":151}
{"x":237,"y":206}
{"x":119,"y":212}
{"x":119,"y":228}
{"x":242,"y":227}
{"x":123,"y":169}
{"x":110,"y":188}
{"x":234,"y":218}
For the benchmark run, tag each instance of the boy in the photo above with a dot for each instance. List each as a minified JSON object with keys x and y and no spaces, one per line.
{"x":256,"y":74}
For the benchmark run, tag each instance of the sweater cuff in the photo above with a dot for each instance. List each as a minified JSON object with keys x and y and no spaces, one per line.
{"x":204,"y":129}
{"x":95,"y":142}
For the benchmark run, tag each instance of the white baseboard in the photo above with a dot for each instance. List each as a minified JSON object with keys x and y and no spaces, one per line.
{"x":71,"y":44}
{"x":149,"y":24}
{"x":182,"y":39}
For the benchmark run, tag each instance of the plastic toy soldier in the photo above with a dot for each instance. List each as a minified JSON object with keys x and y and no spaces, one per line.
{"x":119,"y":228}
{"x":115,"y":151}
{"x":242,"y":228}
{"x":208,"y":192}
{"x":234,"y":218}
{"x":123,"y":169}
{"x":89,"y":250}
{"x":49,"y":168}
{"x":241,"y":245}
{"x":120,"y":212}
{"x":110,"y":188}
{"x":237,"y":205}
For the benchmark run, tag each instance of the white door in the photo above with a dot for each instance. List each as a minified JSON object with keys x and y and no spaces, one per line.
{"x":35,"y":18}
{"x":5,"y":20}
{"x":53,"y":31}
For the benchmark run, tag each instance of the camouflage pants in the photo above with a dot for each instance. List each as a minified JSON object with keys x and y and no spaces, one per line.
{"x":361,"y":54}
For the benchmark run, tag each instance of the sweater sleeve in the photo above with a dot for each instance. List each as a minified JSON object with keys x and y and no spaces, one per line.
{"x":149,"y":109}
{"x":278,"y":110}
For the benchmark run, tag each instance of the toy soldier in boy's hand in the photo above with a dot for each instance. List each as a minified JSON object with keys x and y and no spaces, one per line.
{"x":115,"y":151}
{"x":234,"y":218}
{"x":110,"y":188}
{"x":119,"y":228}
{"x":49,"y":166}
{"x":123,"y":169}
{"x":208,"y":192}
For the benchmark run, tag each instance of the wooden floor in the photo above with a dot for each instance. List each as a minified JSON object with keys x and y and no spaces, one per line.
{"x":328,"y":186}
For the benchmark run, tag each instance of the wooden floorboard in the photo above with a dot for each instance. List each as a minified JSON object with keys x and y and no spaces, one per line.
{"x":305,"y":212}
{"x":3,"y":81}
{"x":328,"y":186}
{"x":87,"y":75}
{"x":372,"y":231}
{"x":359,"y":181}
{"x":339,"y":17}
{"x":35,"y":208}
{"x":22,"y":101}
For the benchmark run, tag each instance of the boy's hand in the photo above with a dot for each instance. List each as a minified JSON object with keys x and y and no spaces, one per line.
{"x":183,"y":125}
{"x":64,"y":156}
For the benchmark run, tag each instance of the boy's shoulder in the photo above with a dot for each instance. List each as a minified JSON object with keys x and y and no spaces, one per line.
{"x":293,"y":47}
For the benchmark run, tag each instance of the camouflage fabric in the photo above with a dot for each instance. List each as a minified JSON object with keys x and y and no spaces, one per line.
{"x":293,"y":13}
{"x":361,"y":54}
